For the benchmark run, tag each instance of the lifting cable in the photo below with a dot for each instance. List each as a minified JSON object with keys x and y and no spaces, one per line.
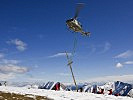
{"x":74,"y":46}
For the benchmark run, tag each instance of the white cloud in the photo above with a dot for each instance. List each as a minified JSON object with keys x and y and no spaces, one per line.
{"x":1,"y":55}
{"x":107,"y":46}
{"x":5,"y":77}
{"x":41,"y":36}
{"x":101,"y":48}
{"x":119,"y":65}
{"x":36,"y":66}
{"x":128,"y":62}
{"x":60,"y":55}
{"x":125,"y":54}
{"x":63,"y":74}
{"x":125,"y":78}
{"x":32,"y":79}
{"x":20,"y":45}
{"x":10,"y":68}
{"x":6,"y":61}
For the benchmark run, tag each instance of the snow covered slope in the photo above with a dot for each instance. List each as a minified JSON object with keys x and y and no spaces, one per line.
{"x":62,"y":95}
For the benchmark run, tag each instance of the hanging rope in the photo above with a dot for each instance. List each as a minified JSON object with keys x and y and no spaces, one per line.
{"x":74,"y":46}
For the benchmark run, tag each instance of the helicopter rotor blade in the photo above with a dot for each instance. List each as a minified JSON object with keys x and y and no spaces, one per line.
{"x":79,"y":6}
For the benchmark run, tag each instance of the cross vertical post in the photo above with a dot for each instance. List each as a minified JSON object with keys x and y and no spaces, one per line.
{"x":70,"y":65}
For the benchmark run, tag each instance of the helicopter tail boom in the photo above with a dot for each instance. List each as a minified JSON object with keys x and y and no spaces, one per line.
{"x":85,"y":33}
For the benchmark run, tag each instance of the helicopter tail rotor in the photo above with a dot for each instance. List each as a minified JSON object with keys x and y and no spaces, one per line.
{"x":79,"y":6}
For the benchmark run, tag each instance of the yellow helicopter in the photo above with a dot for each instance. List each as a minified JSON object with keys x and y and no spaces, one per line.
{"x":74,"y":25}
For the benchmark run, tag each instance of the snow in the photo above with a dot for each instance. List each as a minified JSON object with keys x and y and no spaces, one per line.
{"x":61,"y":95}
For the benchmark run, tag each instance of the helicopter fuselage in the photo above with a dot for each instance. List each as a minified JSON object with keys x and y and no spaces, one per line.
{"x":74,"y":25}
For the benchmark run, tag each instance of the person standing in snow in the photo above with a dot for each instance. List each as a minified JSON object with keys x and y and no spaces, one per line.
{"x":110,"y":92}
{"x":57,"y":86}
{"x":5,"y":83}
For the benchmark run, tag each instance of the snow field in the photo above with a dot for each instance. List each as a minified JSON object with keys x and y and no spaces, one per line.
{"x":61,"y":95}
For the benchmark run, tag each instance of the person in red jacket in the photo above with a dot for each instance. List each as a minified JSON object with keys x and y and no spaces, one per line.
{"x":110,"y":92}
{"x":57,"y":86}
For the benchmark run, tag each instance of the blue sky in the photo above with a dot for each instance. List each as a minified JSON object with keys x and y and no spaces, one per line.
{"x":34,"y":36}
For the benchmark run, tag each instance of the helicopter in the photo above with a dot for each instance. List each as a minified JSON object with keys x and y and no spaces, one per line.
{"x":74,"y":25}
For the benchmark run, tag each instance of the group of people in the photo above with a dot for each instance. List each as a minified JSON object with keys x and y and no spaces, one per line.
{"x":101,"y":91}
{"x":5,"y":83}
